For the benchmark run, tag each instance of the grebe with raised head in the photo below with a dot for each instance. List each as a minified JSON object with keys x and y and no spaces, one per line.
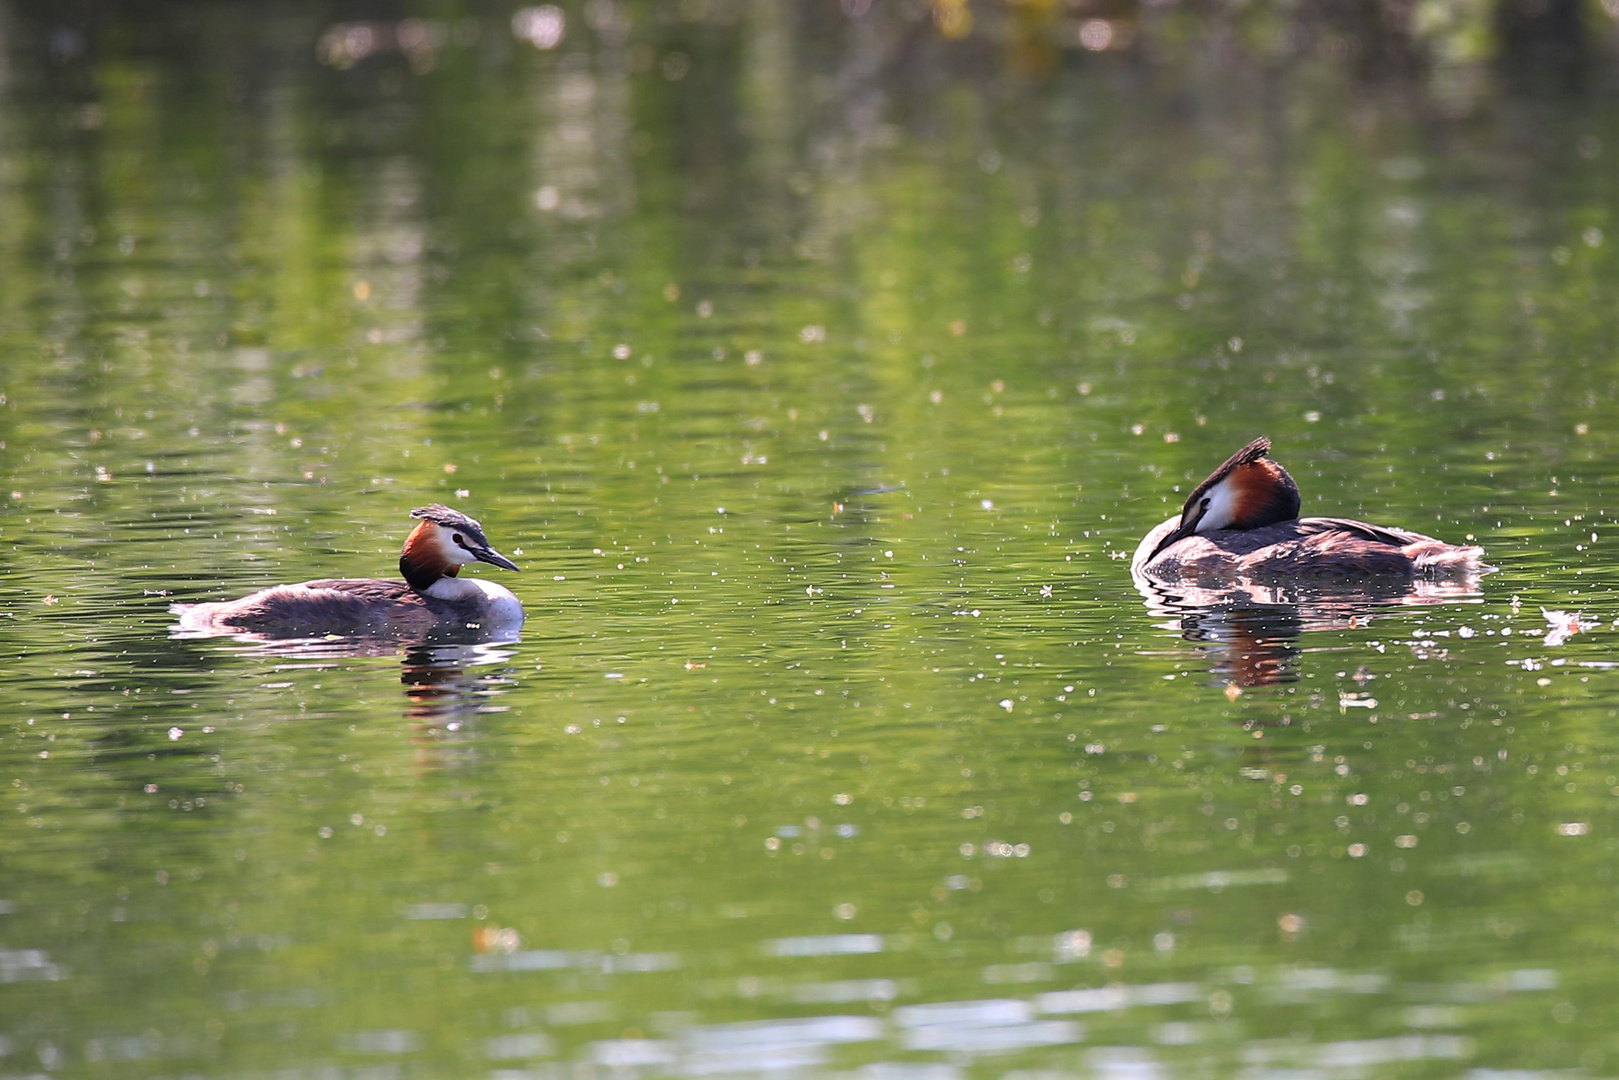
{"x":1243,"y":522}
{"x":430,"y":599}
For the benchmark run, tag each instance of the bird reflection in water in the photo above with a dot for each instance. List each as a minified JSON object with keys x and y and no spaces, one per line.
{"x":445,"y":694}
{"x":449,"y":677}
{"x":1248,"y":631}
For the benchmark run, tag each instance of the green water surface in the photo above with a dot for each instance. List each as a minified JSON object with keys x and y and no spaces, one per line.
{"x":821,"y":373}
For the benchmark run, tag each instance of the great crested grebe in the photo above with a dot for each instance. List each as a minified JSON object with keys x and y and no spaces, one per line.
{"x":1243,"y":522}
{"x":431,"y":598}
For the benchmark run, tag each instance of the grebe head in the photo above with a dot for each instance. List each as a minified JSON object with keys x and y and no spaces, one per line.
{"x":445,"y":541}
{"x":1247,"y":492}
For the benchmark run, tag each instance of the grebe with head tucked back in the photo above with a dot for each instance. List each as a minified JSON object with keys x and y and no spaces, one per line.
{"x":1243,"y":522}
{"x":431,"y":598}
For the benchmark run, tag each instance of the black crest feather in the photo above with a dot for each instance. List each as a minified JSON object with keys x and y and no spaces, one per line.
{"x":440,"y":514}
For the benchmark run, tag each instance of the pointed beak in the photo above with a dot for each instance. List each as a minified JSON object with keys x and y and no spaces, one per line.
{"x":1188,"y":526}
{"x":1179,"y":534}
{"x":493,"y":557}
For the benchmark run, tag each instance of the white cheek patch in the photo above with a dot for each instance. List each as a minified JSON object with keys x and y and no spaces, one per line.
{"x":1222,"y":511}
{"x":448,"y":550}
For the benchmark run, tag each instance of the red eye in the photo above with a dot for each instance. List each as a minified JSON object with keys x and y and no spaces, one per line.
{"x":457,"y":538}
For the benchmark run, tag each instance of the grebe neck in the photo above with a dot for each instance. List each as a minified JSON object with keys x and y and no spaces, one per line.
{"x":421,"y":575}
{"x":428,"y":556}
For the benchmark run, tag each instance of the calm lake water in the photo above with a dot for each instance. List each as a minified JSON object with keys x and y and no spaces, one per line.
{"x":821,"y":373}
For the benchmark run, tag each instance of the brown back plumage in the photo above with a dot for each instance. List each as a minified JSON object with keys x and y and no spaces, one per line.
{"x":314,"y":608}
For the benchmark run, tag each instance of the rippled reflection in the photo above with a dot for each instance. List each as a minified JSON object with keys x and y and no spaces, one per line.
{"x":443,"y":686}
{"x":460,"y":644}
{"x":1248,"y":631}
